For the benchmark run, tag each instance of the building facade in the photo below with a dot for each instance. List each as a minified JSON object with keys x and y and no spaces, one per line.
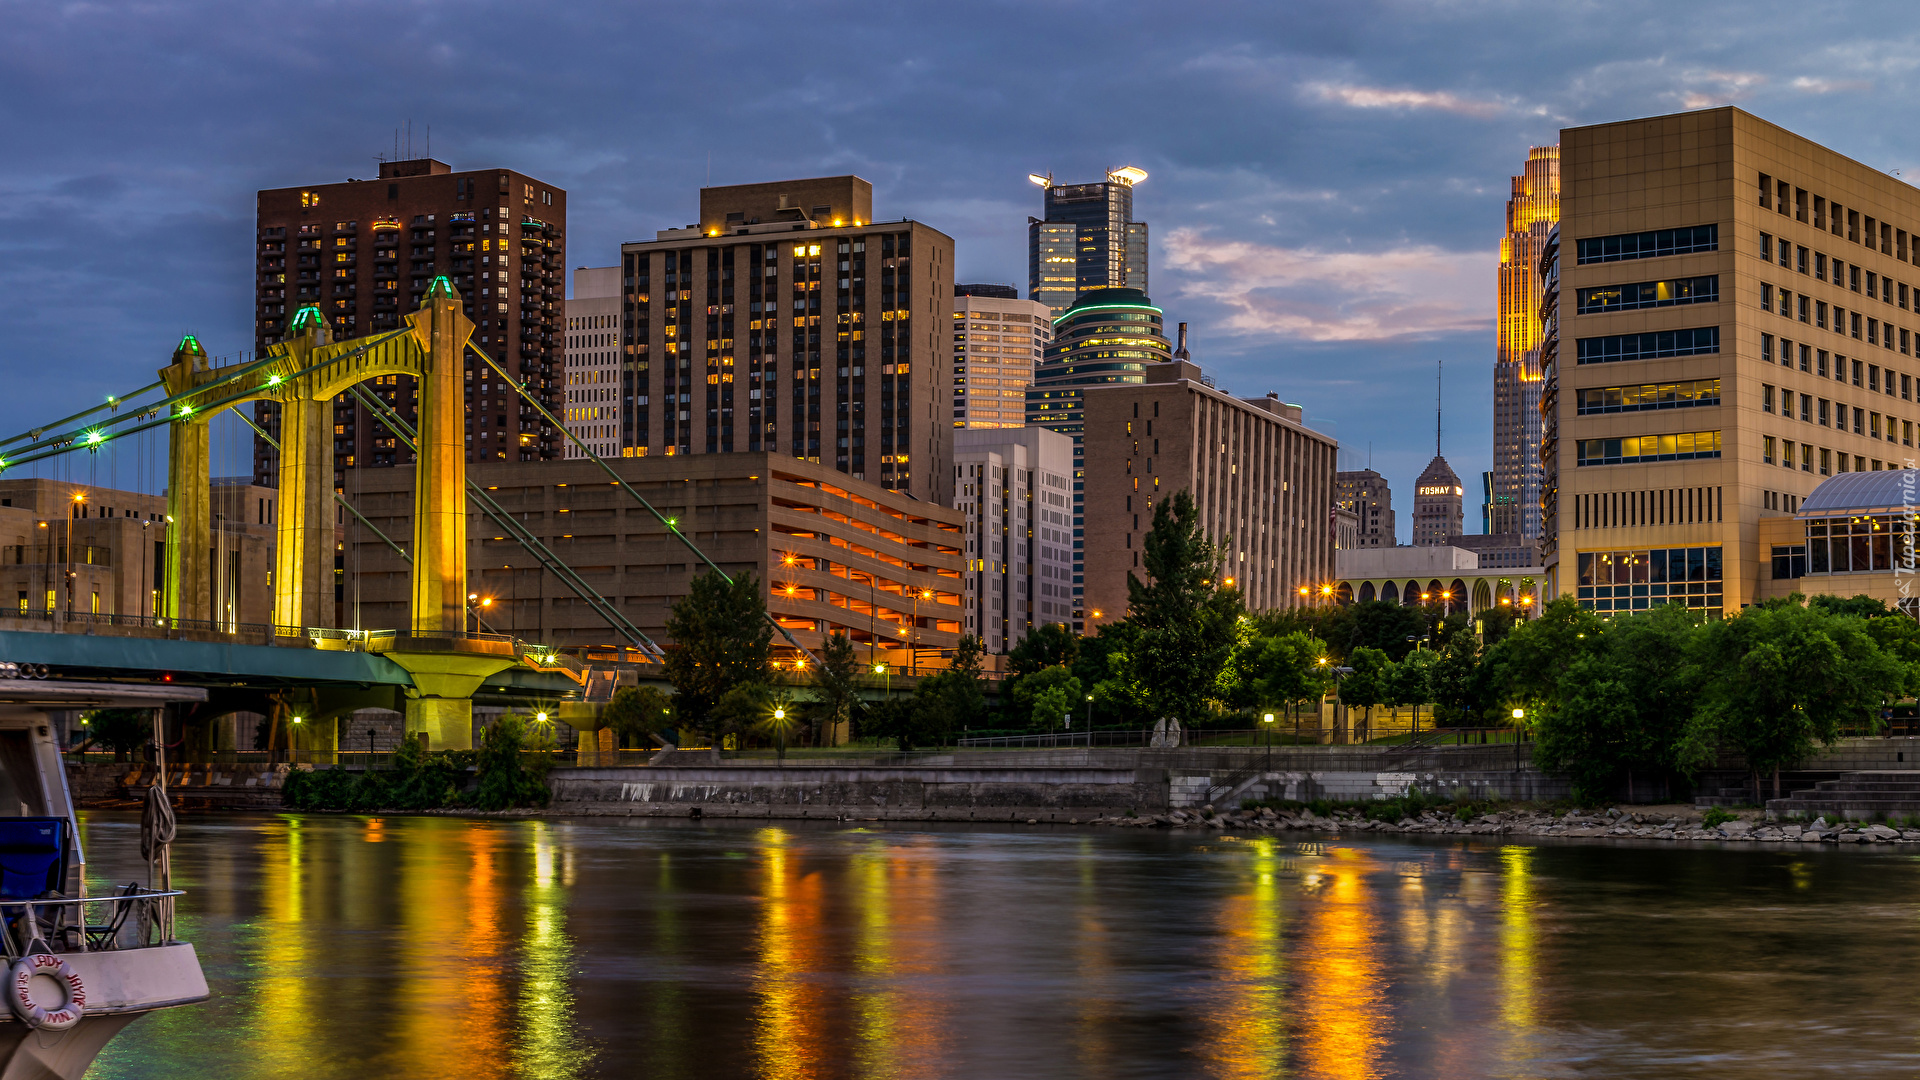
{"x":1743,"y":328}
{"x":1086,"y":240}
{"x":998,"y":339}
{"x":1263,"y":483}
{"x":593,"y":361}
{"x":787,"y":320}
{"x":1533,"y":208}
{"x":1016,"y":490}
{"x":74,"y":553}
{"x":1109,"y":336}
{"x":1439,"y":504}
{"x":834,"y":556}
{"x":367,"y":250}
{"x":1368,"y":495}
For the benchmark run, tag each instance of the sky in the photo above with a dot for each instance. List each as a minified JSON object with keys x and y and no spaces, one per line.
{"x":1326,"y":193}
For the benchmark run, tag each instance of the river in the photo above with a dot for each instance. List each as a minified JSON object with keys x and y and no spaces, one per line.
{"x":357,"y":947}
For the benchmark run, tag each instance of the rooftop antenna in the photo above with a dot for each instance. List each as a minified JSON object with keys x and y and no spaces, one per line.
{"x":1438,"y":366}
{"x":428,"y":152}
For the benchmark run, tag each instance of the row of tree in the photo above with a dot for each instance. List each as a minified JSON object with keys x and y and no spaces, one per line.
{"x":1652,"y":694}
{"x":719,"y":662}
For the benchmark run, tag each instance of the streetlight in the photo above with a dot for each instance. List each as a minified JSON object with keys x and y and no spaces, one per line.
{"x":1268,"y":719}
{"x":1089,"y":721}
{"x":883,"y":671}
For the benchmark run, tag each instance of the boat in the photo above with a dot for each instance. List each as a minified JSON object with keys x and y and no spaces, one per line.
{"x":80,"y":968}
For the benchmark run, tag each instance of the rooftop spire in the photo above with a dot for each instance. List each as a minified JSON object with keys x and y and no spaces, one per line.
{"x":1438,"y":365}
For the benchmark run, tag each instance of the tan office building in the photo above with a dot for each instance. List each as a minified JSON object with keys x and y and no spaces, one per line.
{"x":1263,"y":481}
{"x":998,"y":339}
{"x":1736,"y":323}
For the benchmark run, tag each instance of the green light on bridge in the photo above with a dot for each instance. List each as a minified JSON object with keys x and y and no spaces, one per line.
{"x":94,"y":438}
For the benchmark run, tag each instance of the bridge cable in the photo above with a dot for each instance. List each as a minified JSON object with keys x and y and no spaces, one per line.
{"x":342,"y":500}
{"x":71,"y":441}
{"x":112,"y":403}
{"x":543,"y":554}
{"x":521,"y":389}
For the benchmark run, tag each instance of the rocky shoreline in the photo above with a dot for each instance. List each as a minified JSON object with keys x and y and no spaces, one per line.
{"x":1612,"y":823}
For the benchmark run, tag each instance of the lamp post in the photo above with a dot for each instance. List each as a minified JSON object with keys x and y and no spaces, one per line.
{"x":73,"y":525}
{"x":780,"y":733}
{"x":1267,"y":720}
{"x":1089,"y":721}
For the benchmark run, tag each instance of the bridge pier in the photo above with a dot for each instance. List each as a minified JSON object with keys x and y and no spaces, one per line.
{"x":303,"y":527}
{"x":189,"y":581}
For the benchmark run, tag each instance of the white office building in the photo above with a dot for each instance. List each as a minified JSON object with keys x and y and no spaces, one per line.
{"x":593,"y":361}
{"x":1016,"y":486}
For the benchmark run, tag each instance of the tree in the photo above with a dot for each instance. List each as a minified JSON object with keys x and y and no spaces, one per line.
{"x":720,"y":638}
{"x":1047,"y":695}
{"x":743,"y":708}
{"x":1526,"y":667}
{"x":954,"y":699}
{"x":1185,"y":615}
{"x":1780,"y":679}
{"x":504,"y":780}
{"x":1622,"y":702}
{"x":1052,"y":645}
{"x":835,"y":686}
{"x":124,"y":731}
{"x":1859,"y":604}
{"x":637,"y":712}
{"x":1282,"y":670}
{"x":1451,"y":679}
{"x":1370,"y":684}
{"x":1413,"y":681}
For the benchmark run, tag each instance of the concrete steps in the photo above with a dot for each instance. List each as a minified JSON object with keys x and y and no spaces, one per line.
{"x":1855,"y":795}
{"x":1791,"y":784}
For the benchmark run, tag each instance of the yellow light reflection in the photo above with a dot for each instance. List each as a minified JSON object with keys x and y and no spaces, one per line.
{"x":547,"y":1046}
{"x":1517,"y":939}
{"x":1342,"y":1006}
{"x":1247,"y":1022}
{"x":787,"y":1036}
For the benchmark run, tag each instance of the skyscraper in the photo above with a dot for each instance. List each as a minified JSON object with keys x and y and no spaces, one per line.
{"x":1108,"y":336}
{"x":1438,"y":511}
{"x":787,"y":320}
{"x":1533,"y":208}
{"x":1368,"y":495}
{"x":998,"y":339}
{"x":1086,"y":240}
{"x":365,"y":252}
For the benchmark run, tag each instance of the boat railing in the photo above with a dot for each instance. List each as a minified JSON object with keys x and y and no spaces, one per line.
{"x":133,"y":918}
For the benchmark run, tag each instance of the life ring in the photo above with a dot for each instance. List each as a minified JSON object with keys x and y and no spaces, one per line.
{"x":36,"y":1015}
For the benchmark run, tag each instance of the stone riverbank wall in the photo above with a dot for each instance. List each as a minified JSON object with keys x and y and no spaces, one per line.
{"x":1051,"y":785}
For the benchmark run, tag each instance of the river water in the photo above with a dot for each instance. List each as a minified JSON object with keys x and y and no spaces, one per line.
{"x":357,"y":947}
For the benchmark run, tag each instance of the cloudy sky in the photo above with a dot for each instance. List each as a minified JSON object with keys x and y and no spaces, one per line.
{"x":1327,"y":180}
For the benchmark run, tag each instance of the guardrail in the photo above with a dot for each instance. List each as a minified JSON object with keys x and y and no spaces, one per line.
{"x":72,"y":924}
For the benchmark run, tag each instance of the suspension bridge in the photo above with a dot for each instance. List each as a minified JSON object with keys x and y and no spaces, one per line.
{"x":431,"y":669}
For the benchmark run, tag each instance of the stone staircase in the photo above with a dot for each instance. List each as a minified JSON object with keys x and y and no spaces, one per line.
{"x":1791,"y":784}
{"x":1855,"y":796}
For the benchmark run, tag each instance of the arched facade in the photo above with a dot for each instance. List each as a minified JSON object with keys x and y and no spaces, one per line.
{"x":1477,"y":591}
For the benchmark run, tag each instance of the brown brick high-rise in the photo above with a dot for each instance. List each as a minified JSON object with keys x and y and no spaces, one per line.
{"x":366,"y":250}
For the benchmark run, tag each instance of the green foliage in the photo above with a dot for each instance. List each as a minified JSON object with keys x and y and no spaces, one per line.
{"x":1052,"y":645}
{"x":1372,"y":680}
{"x":835,"y":686}
{"x":1413,"y":678}
{"x":720,"y":639}
{"x":1051,"y":695}
{"x":1450,"y":679}
{"x":636,"y":712}
{"x":1279,"y":671}
{"x":1716,"y":816}
{"x":1373,"y":624}
{"x":1623,"y":706}
{"x":954,"y":699}
{"x":1185,"y":617}
{"x":124,"y":731}
{"x":417,"y":780}
{"x":1862,"y":605}
{"x":901,"y":720}
{"x":1781,"y":679}
{"x":505,"y":780}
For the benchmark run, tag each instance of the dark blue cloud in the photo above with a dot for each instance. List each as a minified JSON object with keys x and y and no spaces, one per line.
{"x":1327,"y":179}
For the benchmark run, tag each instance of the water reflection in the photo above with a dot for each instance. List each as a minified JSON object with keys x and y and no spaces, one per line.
{"x":433,"y":947}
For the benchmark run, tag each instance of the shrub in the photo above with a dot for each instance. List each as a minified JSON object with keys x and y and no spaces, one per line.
{"x":1715,"y":816}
